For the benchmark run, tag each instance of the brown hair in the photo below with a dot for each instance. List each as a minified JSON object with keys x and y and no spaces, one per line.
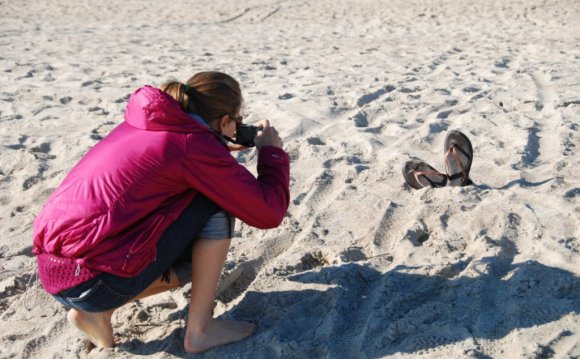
{"x":210,"y":94}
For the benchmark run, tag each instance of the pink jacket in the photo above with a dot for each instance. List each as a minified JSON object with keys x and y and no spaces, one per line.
{"x":112,"y":208}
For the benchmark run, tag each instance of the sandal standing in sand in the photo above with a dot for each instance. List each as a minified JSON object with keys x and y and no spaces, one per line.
{"x":458,"y":158}
{"x":418,"y":174}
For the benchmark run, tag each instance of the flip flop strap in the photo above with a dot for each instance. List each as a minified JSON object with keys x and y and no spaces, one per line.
{"x":428,"y":172}
{"x":424,"y":174}
{"x":454,"y":151}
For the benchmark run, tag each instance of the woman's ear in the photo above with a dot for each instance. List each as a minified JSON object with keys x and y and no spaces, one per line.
{"x":223,"y":122}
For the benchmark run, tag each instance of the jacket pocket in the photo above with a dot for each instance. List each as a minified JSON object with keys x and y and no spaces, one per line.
{"x":144,"y":249}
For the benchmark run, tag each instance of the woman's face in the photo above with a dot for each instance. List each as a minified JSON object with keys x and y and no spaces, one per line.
{"x":228,"y":125}
{"x":230,"y":128}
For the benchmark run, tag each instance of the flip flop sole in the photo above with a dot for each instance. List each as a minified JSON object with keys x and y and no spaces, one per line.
{"x":458,"y":158}
{"x":418,"y":174}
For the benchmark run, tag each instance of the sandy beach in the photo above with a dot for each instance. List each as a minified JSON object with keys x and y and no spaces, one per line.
{"x":363,"y":266}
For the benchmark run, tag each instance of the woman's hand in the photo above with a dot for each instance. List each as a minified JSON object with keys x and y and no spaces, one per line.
{"x":268,"y":136}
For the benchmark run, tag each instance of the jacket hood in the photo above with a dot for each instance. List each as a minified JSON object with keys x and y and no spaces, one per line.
{"x":151,"y":109}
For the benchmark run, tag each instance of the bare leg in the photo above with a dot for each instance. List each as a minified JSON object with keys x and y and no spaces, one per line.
{"x":203,"y":331}
{"x":160,"y":286}
{"x":97,"y":326}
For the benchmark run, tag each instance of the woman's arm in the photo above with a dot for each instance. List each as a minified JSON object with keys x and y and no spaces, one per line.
{"x":260,"y":202}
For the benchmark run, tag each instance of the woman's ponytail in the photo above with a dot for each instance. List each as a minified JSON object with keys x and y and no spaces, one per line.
{"x":181,"y":94}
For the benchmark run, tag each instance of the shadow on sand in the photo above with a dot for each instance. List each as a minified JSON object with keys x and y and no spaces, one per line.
{"x":365,"y":313}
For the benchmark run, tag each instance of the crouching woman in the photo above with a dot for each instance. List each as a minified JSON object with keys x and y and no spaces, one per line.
{"x":152,"y":206}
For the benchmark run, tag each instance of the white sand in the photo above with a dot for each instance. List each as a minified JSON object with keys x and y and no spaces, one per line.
{"x":363,"y":266}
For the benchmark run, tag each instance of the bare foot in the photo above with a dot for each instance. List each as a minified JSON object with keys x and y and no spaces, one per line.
{"x":97,"y":326}
{"x":217,"y":332}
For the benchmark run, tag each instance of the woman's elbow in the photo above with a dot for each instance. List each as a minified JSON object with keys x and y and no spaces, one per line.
{"x":270,"y":219}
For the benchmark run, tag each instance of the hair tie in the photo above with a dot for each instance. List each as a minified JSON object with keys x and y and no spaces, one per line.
{"x":187,"y":89}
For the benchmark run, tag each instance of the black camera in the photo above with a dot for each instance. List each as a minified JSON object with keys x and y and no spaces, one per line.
{"x":245,"y":135}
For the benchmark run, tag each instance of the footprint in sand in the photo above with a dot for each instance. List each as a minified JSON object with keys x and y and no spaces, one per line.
{"x":373,"y":96}
{"x":360,"y":119}
{"x":65,"y":100}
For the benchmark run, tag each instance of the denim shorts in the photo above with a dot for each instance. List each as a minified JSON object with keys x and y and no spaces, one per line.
{"x":219,"y":226}
{"x":201,"y":219}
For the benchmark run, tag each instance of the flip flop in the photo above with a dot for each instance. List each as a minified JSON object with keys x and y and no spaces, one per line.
{"x":418,"y":174}
{"x":458,"y":158}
